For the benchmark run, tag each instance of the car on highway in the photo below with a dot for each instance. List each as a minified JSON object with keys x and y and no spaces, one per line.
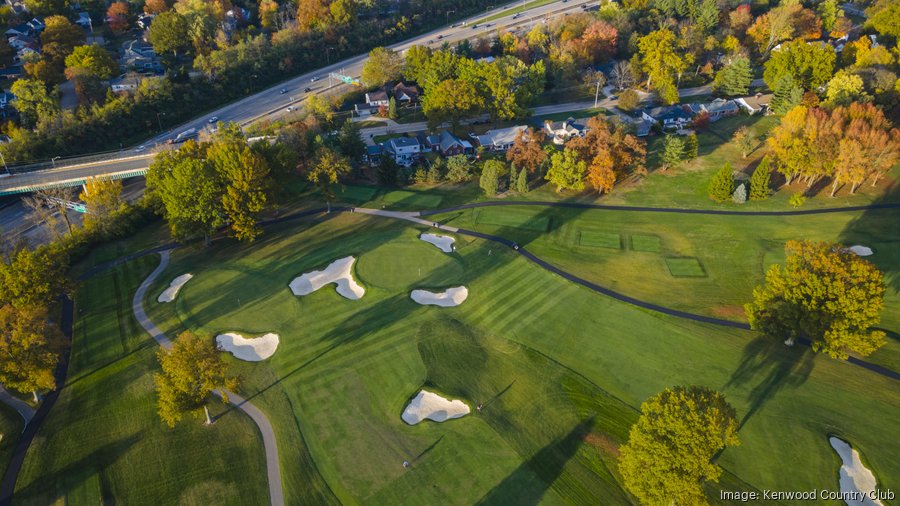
{"x":140,"y":149}
{"x":307,"y":89}
{"x":440,"y":37}
{"x":282,"y":91}
{"x":431,"y":41}
{"x":315,"y":78}
{"x":517,"y":15}
{"x":290,"y":109}
{"x":213,"y":119}
{"x":475,"y":26}
{"x":190,"y":133}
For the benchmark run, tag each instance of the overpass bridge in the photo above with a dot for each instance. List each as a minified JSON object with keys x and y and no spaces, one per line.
{"x":132,"y":165}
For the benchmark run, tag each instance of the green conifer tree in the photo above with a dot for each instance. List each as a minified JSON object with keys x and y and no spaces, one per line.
{"x":722,"y":184}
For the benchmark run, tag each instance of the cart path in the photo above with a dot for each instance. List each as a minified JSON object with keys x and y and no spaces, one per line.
{"x":22,"y":407}
{"x":273,"y":468}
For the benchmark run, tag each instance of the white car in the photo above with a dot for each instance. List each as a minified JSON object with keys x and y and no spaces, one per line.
{"x":140,"y":149}
{"x":213,"y":119}
{"x":314,"y":79}
{"x":290,"y":109}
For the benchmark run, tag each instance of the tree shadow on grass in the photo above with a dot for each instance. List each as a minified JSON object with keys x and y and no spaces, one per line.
{"x":769,"y":366}
{"x":521,"y":488}
{"x":73,"y":475}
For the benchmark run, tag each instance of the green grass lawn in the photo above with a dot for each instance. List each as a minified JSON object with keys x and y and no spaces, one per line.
{"x":646,"y":243}
{"x":523,"y":218}
{"x":593,"y":239}
{"x":559,"y":369}
{"x":685,"y":268}
{"x":10,"y":428}
{"x":417,"y":200}
{"x":103,"y":442}
{"x":355,"y":193}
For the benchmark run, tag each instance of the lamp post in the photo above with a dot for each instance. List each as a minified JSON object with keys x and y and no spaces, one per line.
{"x":328,"y":55}
{"x":4,"y":163}
{"x":53,"y":161}
{"x":448,"y":16}
{"x":159,"y":121}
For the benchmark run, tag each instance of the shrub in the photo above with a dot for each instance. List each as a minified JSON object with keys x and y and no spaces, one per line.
{"x":629,"y":100}
{"x":797,"y":199}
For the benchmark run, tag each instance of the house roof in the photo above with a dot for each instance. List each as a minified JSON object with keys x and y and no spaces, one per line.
{"x":126,"y":80}
{"x":402,"y":90}
{"x":501,"y":136}
{"x":374,"y":150}
{"x":672,"y":112}
{"x":404,"y":142}
{"x":755,"y":102}
{"x":447,"y":140}
{"x":376,"y":95}
{"x":720,"y":104}
{"x":569,"y":126}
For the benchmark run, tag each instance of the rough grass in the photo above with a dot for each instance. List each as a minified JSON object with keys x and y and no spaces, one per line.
{"x":527,"y":219}
{"x":685,"y":268}
{"x":600,"y":240}
{"x":356,"y":193}
{"x":417,"y":200}
{"x":10,"y":428}
{"x":646,"y":243}
{"x":561,"y":370}
{"x":103,"y":440}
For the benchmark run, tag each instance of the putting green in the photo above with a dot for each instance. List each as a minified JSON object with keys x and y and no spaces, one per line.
{"x":600,"y":239}
{"x":685,"y":268}
{"x":405,"y":263}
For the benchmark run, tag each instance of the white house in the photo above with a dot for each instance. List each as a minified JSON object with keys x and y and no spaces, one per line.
{"x":500,"y":139}
{"x":377,"y":98}
{"x":561,"y":131}
{"x":755,"y":104}
{"x":125,"y":83}
{"x":405,"y":150}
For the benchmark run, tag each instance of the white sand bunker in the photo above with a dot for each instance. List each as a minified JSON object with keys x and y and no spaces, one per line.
{"x":856,"y":479}
{"x":169,"y":293}
{"x":431,"y":406}
{"x":444,"y":242}
{"x":337,"y":272}
{"x":251,"y":350}
{"x":448,"y":298}
{"x":862,"y":251}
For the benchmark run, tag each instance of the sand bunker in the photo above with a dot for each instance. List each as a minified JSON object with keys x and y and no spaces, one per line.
{"x":431,"y":406}
{"x":251,"y":350}
{"x":337,"y":272}
{"x":444,"y":242}
{"x":169,"y":294}
{"x":862,"y":251}
{"x":448,"y":298}
{"x":855,"y":478}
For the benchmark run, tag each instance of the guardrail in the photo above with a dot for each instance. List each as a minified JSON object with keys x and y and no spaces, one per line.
{"x":58,"y":163}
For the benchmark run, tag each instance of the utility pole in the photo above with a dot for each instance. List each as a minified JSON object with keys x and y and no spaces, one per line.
{"x":597,"y":94}
{"x":4,"y":163}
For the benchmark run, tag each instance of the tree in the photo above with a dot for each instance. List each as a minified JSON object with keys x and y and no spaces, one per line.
{"x":117,"y":17}
{"x":191,"y":371}
{"x":30,"y":349}
{"x":245,"y":175}
{"x":451,"y":101}
{"x":884,"y":16}
{"x":320,"y":107}
{"x":745,"y":141}
{"x":416,"y":59}
{"x":490,"y":176}
{"x":92,"y":60}
{"x":32,"y":277}
{"x":845,"y":88}
{"x":663,"y":61}
{"x":673,"y":150}
{"x":349,"y":141}
{"x":787,"y":95}
{"x":508,"y":86}
{"x":759,"y":181}
{"x":522,"y":182}
{"x":670,"y":450}
{"x":45,"y":7}
{"x":538,"y":39}
{"x":526,"y":151}
{"x":810,"y":65}
{"x":567,"y":171}
{"x":384,"y":65}
{"x":734,"y":78}
{"x":458,"y":169}
{"x":610,"y":151}
{"x":388,"y":171}
{"x":774,"y":26}
{"x":327,"y":169}
{"x":154,"y":7}
{"x":740,"y":194}
{"x":103,"y":199}
{"x":829,"y":12}
{"x":622,"y":75}
{"x":60,"y":36}
{"x":169,"y":33}
{"x":32,"y":101}
{"x":722,"y":184}
{"x":343,"y":12}
{"x":189,"y":190}
{"x":629,"y":100}
{"x":825,"y":293}
{"x":691,"y":147}
{"x":392,"y":108}
{"x":7,"y":53}
{"x":312,"y":14}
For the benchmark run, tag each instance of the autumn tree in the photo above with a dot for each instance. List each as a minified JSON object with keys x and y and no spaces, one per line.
{"x":192,"y":370}
{"x":629,"y":100}
{"x":824,"y":293}
{"x":32,"y":101}
{"x":103,"y":199}
{"x":867,"y":145}
{"x":327,"y":169}
{"x":415,"y":60}
{"x":845,"y":88}
{"x":246,"y":181}
{"x":527,"y":151}
{"x":451,"y":101}
{"x":759,"y":181}
{"x":383,"y":66}
{"x":610,"y":152}
{"x":92,"y":61}
{"x":567,"y":170}
{"x":884,"y":16}
{"x":745,"y":141}
{"x":774,"y":26}
{"x":32,"y":277}
{"x":155,"y":7}
{"x":809,"y":65}
{"x":734,"y":78}
{"x":663,"y":62}
{"x":117,"y":17}
{"x":459,"y":169}
{"x":343,"y":12}
{"x":670,"y":450}
{"x":312,"y":14}
{"x":30,"y":347}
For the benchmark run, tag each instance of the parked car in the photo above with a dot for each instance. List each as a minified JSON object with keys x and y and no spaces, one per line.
{"x":213,"y":120}
{"x":307,"y":89}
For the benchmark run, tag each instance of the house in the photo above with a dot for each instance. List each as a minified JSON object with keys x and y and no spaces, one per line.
{"x":642,"y":127}
{"x":670,"y":117}
{"x":720,"y":108}
{"x":6,"y":108}
{"x":561,"y":131}
{"x":448,"y":144}
{"x":18,"y":42}
{"x":373,"y":154}
{"x":377,"y":98}
{"x":12,"y":72}
{"x":126,"y":82}
{"x":405,"y":150}
{"x":144,"y":20}
{"x":755,"y":103}
{"x":37,"y":25}
{"x":499,"y":139}
{"x":363,"y":110}
{"x":139,"y":56}
{"x":406,"y":93}
{"x":21,"y":30}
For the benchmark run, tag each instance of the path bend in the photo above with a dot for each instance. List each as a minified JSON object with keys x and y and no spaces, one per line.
{"x":22,"y":407}
{"x":273,"y":467}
